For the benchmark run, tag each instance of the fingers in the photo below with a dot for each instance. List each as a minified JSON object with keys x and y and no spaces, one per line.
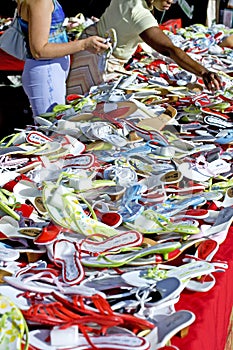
{"x":212,"y":81}
{"x":98,"y":45}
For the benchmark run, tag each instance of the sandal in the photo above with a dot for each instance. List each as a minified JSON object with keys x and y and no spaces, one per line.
{"x":111,"y":244}
{"x":100,"y":307}
{"x":61,"y":338}
{"x":167,"y":326}
{"x":64,"y":208}
{"x":117,"y":260}
{"x":13,"y":326}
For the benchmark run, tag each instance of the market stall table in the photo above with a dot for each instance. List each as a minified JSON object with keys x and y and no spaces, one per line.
{"x":212,"y":329}
{"x":10,"y":65}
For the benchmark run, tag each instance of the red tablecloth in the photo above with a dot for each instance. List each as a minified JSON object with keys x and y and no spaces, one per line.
{"x":212,"y":308}
{"x":10,"y":63}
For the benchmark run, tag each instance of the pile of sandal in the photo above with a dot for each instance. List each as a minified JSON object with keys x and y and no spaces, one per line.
{"x":113,"y":204}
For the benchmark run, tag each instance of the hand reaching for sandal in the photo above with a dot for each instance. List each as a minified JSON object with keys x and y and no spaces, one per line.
{"x":212,"y":81}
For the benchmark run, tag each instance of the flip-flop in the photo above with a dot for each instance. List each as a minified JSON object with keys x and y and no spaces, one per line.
{"x":28,"y":191}
{"x":81,"y":161}
{"x":207,"y":249}
{"x":103,"y":131}
{"x":176,"y":206}
{"x":218,"y":121}
{"x":169,"y":256}
{"x":129,"y":207}
{"x":46,"y":282}
{"x":224,"y":137}
{"x":15,"y":296}
{"x":191,"y":270}
{"x":195,"y":171}
{"x":37,"y":138}
{"x":228,"y":198}
{"x":8,"y":253}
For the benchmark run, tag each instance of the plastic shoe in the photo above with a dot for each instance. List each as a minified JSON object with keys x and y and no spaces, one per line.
{"x":103,"y":131}
{"x":168,"y":326}
{"x":219,"y":230}
{"x":224,"y":137}
{"x":121,"y":340}
{"x":228,"y":198}
{"x":150,"y":222}
{"x":64,"y":208}
{"x":13,"y":324}
{"x":116,"y":243}
{"x":117,"y":260}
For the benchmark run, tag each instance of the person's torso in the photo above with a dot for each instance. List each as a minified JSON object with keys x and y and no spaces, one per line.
{"x":57,"y":33}
{"x":129,"y":18}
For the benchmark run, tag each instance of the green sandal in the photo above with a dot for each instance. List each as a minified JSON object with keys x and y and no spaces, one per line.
{"x":8,"y":203}
{"x":117,"y":260}
{"x":150,"y":222}
{"x":13,"y":326}
{"x":64,"y":208}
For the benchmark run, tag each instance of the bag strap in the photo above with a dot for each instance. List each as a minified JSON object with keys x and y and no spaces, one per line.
{"x":19,"y":6}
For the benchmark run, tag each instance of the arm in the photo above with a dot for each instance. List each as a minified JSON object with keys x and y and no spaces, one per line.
{"x":160,"y":42}
{"x":38,"y":14}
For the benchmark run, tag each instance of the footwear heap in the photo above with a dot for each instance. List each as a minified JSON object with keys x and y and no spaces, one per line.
{"x":115,"y":203}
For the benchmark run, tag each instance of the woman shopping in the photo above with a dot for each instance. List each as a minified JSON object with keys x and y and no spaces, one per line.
{"x":133,"y":22}
{"x":48,"y":62}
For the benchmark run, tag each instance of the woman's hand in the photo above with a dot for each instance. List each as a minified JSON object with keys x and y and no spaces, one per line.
{"x":95,"y":44}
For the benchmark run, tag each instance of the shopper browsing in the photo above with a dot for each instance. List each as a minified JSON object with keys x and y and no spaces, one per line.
{"x":46,"y":69}
{"x":134,"y":23}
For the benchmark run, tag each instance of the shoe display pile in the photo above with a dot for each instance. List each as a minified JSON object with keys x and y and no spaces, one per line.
{"x":116,"y":203}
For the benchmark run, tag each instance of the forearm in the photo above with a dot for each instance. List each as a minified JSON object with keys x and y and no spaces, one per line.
{"x":186,"y":62}
{"x":155,"y":38}
{"x":55,"y":50}
{"x":160,"y":42}
{"x":38,"y":14}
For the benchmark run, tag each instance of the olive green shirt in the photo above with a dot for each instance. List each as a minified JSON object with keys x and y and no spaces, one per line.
{"x":129,"y":18}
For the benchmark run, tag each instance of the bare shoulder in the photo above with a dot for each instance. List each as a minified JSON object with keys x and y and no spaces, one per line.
{"x":34,"y":7}
{"x":40,"y":5}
